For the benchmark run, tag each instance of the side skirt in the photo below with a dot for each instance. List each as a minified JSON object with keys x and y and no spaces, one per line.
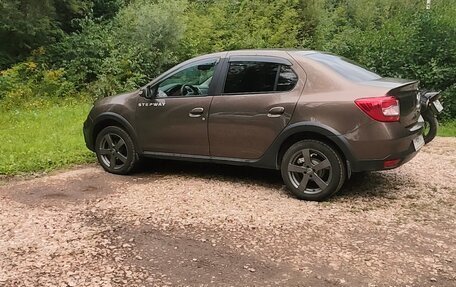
{"x":201,"y":158}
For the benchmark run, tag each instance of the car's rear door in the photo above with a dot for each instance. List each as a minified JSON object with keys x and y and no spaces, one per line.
{"x":253,"y":106}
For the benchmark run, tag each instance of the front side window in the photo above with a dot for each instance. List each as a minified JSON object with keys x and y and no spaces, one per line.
{"x":259,"y":77}
{"x":191,"y":81}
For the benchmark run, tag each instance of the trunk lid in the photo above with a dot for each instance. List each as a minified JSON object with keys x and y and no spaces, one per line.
{"x":407,"y":92}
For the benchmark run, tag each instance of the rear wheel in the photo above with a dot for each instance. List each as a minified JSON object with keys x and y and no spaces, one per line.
{"x":115,"y":150}
{"x":430,"y":126}
{"x":313,"y":170}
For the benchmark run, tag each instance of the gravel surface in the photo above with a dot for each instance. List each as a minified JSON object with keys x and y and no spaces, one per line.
{"x":181,"y":224}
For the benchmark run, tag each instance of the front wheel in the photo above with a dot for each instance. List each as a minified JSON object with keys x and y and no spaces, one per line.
{"x":313,"y":170}
{"x":115,"y":150}
{"x":430,"y":126}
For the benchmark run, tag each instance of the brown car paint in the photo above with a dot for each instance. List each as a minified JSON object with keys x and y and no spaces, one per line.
{"x":237,"y":129}
{"x":172,"y":128}
{"x":245,"y":125}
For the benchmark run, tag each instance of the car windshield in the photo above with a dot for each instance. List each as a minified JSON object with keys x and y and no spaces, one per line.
{"x":344,"y":67}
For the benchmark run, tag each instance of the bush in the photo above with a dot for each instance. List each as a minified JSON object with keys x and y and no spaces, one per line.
{"x":123,"y":44}
{"x":214,"y":26}
{"x":145,"y":35}
{"x":32,"y":85}
{"x":449,"y":103}
{"x":106,"y":58}
{"x":81,"y":54}
{"x":397,"y":39}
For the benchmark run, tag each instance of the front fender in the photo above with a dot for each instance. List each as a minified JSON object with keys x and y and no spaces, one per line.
{"x":110,"y":118}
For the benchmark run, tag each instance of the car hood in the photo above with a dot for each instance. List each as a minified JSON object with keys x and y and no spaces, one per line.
{"x":117,"y":99}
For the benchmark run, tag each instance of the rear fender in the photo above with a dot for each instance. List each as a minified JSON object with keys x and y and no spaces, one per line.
{"x":271,"y":157}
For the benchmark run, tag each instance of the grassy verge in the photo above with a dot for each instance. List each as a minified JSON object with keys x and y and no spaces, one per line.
{"x":447,"y":129}
{"x":44,"y":139}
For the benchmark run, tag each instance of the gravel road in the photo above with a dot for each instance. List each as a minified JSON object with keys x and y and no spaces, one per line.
{"x":182,"y":224}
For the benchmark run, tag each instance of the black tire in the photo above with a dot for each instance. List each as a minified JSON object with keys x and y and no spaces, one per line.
{"x":316,"y":164}
{"x":430,"y":126}
{"x":115,"y":150}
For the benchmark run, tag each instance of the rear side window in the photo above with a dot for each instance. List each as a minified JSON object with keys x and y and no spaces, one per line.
{"x":346,"y":68}
{"x":259,"y":77}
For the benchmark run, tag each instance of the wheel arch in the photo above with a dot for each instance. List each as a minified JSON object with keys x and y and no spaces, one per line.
{"x":291,"y":140}
{"x":308,"y":130}
{"x":111,"y":119}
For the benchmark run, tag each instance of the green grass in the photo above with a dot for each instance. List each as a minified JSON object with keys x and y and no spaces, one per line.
{"x":43,"y":139}
{"x":447,"y":129}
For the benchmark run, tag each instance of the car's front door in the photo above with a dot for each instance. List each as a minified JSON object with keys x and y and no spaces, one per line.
{"x":175,"y":119}
{"x":256,"y":104}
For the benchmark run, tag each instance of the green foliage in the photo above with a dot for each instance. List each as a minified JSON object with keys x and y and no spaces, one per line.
{"x":44,"y":139}
{"x":81,"y":54}
{"x":447,"y":129}
{"x":29,"y":24}
{"x":103,"y":47}
{"x":24,"y":26}
{"x":31,"y":85}
{"x":108,"y":58}
{"x":144,"y":35}
{"x":226,"y":25}
{"x":106,"y":9}
{"x":449,"y":101}
{"x":396,"y":39}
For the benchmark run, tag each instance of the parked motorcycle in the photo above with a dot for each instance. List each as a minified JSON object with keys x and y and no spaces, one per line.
{"x":430,"y":108}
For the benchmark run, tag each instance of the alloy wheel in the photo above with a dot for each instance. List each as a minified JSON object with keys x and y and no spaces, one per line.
{"x":113,"y":151}
{"x":310,"y":171}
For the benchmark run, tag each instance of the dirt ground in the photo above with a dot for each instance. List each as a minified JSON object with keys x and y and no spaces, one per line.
{"x":181,"y":224}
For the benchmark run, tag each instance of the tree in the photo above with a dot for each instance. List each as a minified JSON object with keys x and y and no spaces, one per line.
{"x":227,"y":24}
{"x":28,"y":24}
{"x":25,"y":25}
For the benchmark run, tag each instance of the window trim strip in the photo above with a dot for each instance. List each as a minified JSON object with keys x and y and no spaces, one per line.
{"x":263,"y":59}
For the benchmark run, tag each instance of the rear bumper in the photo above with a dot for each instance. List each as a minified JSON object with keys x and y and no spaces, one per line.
{"x":383,"y":142}
{"x":373,"y":165}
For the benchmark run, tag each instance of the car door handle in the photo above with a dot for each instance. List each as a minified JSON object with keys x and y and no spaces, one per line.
{"x":196,"y":112}
{"x":276,"y":112}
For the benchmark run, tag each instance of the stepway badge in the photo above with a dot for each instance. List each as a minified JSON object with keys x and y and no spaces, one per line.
{"x":155,"y":104}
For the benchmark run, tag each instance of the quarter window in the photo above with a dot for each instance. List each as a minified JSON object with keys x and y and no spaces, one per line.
{"x":287,"y":79}
{"x":258,"y":77}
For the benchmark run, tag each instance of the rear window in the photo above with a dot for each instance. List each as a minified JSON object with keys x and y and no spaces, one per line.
{"x":344,"y":67}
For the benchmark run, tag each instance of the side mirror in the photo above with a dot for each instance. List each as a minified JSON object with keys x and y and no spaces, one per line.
{"x":148,"y":92}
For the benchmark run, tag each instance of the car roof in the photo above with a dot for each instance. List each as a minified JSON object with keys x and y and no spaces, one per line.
{"x":256,"y":52}
{"x":271,"y":51}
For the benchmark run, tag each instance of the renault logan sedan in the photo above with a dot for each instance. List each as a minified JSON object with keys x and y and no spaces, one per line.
{"x":314,"y":116}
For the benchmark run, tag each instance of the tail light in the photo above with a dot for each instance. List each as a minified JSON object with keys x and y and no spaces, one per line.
{"x":382,"y":109}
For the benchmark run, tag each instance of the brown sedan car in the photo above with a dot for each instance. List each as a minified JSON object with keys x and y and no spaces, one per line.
{"x":315,"y":116}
